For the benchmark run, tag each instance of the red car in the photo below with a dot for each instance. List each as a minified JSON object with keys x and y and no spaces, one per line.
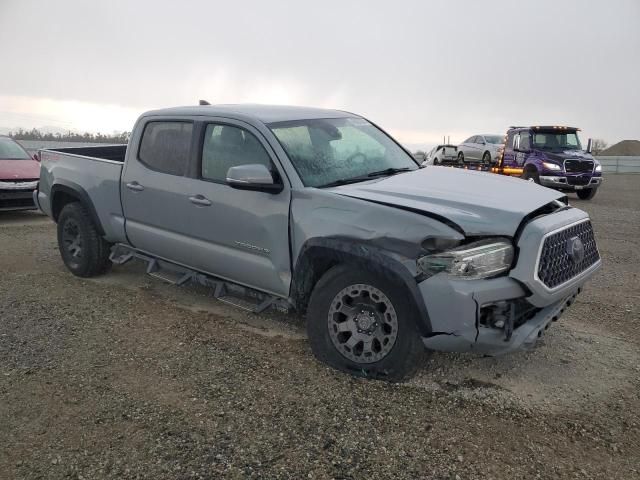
{"x":19,"y":174}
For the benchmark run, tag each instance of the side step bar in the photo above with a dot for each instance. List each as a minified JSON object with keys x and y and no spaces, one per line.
{"x":227,"y":292}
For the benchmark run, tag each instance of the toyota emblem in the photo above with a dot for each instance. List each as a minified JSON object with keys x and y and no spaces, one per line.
{"x":575,"y":249}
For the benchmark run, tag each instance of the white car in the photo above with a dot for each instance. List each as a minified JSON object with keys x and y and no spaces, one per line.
{"x":441,"y":154}
{"x":481,"y":148}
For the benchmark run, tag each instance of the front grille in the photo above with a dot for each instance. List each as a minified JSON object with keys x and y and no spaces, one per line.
{"x":557,"y":264}
{"x":580,"y":180}
{"x":16,"y":199}
{"x":578,"y":166}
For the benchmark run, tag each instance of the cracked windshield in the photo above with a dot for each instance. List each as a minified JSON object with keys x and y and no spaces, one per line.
{"x":330,"y":151}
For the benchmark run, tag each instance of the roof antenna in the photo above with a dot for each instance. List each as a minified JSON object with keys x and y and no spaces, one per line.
{"x":203,"y":102}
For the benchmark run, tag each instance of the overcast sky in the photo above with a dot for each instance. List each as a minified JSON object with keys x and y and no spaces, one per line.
{"x":421,"y":69}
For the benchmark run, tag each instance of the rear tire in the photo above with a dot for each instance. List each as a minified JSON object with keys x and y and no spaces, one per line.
{"x":586,"y":194}
{"x":84,"y":252}
{"x":362,"y":323}
{"x":460,"y":158}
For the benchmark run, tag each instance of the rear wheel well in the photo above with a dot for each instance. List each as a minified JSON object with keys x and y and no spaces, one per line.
{"x":62,"y":195}
{"x":60,"y":199}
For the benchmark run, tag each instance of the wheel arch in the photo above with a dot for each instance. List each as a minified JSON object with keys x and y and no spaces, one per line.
{"x":63,"y":193}
{"x":318,"y":255}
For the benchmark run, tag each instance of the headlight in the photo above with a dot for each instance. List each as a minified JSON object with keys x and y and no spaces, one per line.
{"x":482,"y":259}
{"x":551,"y":166}
{"x":598,"y":167}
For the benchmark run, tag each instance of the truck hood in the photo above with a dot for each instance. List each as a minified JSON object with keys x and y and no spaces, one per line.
{"x":479,"y":203}
{"x":19,"y":170}
{"x":561,"y":156}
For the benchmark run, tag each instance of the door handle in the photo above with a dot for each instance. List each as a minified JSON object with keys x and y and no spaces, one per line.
{"x":135,"y":186}
{"x":200,"y":200}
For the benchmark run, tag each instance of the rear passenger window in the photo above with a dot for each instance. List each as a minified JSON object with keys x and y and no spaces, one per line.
{"x":226,"y":146}
{"x":165,"y":146}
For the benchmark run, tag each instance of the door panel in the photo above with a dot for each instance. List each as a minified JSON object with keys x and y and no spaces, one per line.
{"x":243,"y":235}
{"x":152,"y":187}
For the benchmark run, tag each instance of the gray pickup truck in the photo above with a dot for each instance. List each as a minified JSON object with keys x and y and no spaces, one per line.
{"x":322,"y":212}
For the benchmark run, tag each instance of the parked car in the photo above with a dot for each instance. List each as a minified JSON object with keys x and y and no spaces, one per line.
{"x":19,"y":173}
{"x":441,"y":154}
{"x":552,"y":156}
{"x":480,"y":148}
{"x":322,"y":212}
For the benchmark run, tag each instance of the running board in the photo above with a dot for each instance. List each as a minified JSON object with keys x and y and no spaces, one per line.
{"x":239,"y":296}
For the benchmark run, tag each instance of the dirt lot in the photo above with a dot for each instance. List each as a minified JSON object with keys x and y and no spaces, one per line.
{"x":125,"y":377}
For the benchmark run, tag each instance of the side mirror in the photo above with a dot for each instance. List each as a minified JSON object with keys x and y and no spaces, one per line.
{"x":419,"y":156}
{"x":589,"y":145}
{"x":253,"y":176}
{"x":36,"y":157}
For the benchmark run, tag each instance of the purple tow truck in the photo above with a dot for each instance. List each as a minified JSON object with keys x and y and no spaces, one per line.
{"x":551,"y":156}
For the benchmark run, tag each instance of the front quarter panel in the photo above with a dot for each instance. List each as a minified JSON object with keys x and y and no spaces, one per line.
{"x":321,"y":214}
{"x":346,"y":229}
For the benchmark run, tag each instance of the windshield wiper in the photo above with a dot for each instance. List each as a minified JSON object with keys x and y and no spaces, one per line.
{"x":388,"y":171}
{"x":362,"y":178}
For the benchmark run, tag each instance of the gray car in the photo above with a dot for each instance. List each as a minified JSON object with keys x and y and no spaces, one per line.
{"x":321,"y":212}
{"x":480,"y":148}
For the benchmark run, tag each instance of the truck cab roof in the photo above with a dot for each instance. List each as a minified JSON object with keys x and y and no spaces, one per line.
{"x":263,"y":113}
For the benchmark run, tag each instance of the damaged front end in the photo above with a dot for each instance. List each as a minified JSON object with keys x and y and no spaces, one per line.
{"x":484,"y":323}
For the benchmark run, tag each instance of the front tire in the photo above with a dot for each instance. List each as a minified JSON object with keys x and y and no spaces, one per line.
{"x":362,"y":323}
{"x":531,"y":175}
{"x":586,"y":194}
{"x":84,"y":252}
{"x":486,"y":158}
{"x":460,"y":158}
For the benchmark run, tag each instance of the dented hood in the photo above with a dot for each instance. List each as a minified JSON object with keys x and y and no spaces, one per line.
{"x":479,"y":203}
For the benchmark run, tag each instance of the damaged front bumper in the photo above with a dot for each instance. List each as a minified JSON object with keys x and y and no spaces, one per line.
{"x":503,"y":314}
{"x":491,"y":317}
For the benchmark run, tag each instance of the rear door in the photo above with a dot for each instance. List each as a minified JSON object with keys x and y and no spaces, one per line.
{"x":476,"y":148}
{"x":469,"y":149}
{"x":154,"y":182}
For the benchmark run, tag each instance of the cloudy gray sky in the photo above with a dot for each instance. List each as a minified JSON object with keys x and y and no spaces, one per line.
{"x":421,"y":69}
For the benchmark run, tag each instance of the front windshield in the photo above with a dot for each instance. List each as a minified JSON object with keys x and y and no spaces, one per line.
{"x":329,"y":150}
{"x":495,"y":139}
{"x":556,"y":141}
{"x":10,"y":150}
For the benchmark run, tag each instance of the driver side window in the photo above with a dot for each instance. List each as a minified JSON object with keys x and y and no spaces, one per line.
{"x":226,"y":146}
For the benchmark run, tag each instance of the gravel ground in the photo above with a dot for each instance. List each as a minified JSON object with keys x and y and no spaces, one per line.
{"x":126,"y":377}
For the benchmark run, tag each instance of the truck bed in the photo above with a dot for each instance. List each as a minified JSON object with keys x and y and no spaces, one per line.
{"x":114,"y":153}
{"x":95,"y":173}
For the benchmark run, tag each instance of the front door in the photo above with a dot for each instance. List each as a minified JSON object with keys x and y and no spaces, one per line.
{"x":241,"y":235}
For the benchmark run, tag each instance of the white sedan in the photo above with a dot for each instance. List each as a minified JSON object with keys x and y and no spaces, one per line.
{"x":480,"y":148}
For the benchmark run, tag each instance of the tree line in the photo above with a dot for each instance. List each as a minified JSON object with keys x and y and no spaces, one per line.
{"x":35,"y":134}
